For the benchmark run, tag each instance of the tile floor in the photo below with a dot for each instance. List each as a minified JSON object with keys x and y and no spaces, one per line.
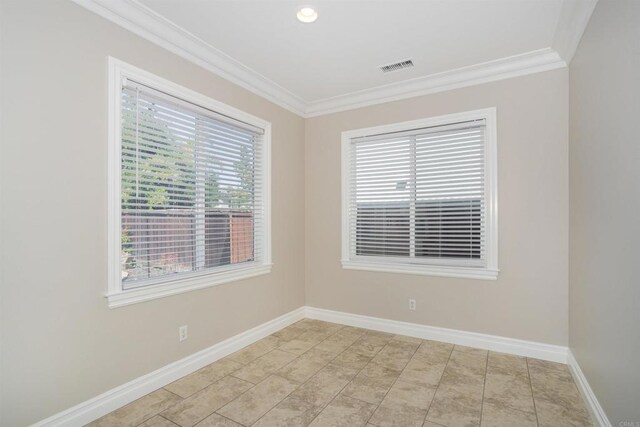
{"x":323,"y":374}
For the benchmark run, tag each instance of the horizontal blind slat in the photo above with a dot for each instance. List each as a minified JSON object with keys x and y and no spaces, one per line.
{"x":178,"y":160}
{"x":419,"y":194}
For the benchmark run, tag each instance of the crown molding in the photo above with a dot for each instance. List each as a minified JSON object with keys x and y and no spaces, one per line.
{"x":504,"y":68}
{"x":144,"y":22}
{"x":140,"y":20}
{"x":573,"y":20}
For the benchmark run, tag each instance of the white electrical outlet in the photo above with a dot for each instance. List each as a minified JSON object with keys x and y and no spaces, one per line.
{"x":183,"y":333}
{"x":412,"y":304}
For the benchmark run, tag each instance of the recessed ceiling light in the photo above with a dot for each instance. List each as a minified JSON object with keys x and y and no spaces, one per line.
{"x":307,"y":15}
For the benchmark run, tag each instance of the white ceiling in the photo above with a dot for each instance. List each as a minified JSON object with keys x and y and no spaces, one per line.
{"x":341,"y":51}
{"x":332,"y":64}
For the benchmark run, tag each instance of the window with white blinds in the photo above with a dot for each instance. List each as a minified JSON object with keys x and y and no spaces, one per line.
{"x":422,"y":199}
{"x":192,"y":200}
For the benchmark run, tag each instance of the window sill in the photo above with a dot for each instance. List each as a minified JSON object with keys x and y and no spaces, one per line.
{"x":133,"y":296}
{"x":424,"y":270}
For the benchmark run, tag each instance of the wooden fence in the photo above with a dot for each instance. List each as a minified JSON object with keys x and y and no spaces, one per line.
{"x":159,"y":241}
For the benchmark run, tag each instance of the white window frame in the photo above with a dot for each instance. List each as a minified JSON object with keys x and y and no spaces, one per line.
{"x":116,"y":295}
{"x":440,"y":267}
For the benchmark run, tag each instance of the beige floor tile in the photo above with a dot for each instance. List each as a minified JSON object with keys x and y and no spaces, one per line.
{"x":508,"y":390}
{"x":456,"y":405}
{"x":203,"y":403}
{"x":537,"y":364}
{"x":405,"y":405}
{"x":370,"y":344}
{"x":289,"y":333}
{"x":552,"y":415}
{"x":140,"y":410}
{"x":352,"y":331}
{"x":325,"y":385}
{"x":255,"y":350}
{"x":405,"y":338}
{"x":507,"y":364}
{"x":504,"y":416}
{"x":187,"y":385}
{"x":253,"y":404}
{"x":476,"y":360}
{"x":291,"y":412}
{"x":434,"y":351}
{"x":338,"y":342}
{"x":379,"y":334}
{"x":327,"y":327}
{"x":556,"y":387}
{"x":303,"y":343}
{"x":372,"y":383}
{"x":544,"y":369}
{"x":305,"y":366}
{"x":215,"y":420}
{"x":344,"y":411}
{"x":395,"y":355}
{"x":264,"y":366}
{"x":158,"y":421}
{"x":313,"y":324}
{"x":465,"y":368}
{"x":307,"y":323}
{"x":458,"y":399}
{"x":477,"y":351}
{"x":352,"y":359}
{"x":328,"y":374}
{"x":423,"y":372}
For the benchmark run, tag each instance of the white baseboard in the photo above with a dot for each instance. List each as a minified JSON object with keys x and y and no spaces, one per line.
{"x":113,"y":399}
{"x":93,"y":409}
{"x":554,"y":353}
{"x":597,"y":413}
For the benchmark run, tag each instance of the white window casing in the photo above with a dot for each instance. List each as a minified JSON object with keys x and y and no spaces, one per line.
{"x":188,"y":191}
{"x":420,"y":197}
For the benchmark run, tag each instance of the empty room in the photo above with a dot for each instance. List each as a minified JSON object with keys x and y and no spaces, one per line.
{"x":319,"y":213}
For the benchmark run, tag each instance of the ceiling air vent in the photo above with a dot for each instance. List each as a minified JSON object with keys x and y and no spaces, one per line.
{"x":407,"y":63}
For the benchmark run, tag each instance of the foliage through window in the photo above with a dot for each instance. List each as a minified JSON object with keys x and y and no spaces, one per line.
{"x":191,"y":182}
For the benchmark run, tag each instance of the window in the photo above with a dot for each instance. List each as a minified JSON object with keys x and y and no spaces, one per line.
{"x":420,"y":197}
{"x":189,"y":189}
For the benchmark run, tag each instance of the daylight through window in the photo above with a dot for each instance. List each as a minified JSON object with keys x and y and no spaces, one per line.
{"x":419,"y":197}
{"x":190,"y":188}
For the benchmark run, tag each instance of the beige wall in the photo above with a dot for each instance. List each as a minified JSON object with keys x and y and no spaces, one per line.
{"x":604,"y":289}
{"x":529,"y":299}
{"x":61,"y":344}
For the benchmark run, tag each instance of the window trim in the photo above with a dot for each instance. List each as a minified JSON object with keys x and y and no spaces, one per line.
{"x":387,"y":264}
{"x":116,"y":295}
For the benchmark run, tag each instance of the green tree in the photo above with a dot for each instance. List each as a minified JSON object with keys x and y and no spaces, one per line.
{"x":213,"y":193}
{"x":240,"y":196}
{"x":155,"y":175}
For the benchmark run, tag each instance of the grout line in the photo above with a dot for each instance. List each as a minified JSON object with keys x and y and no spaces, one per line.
{"x":395,"y":381}
{"x":484,"y":385}
{"x":242,"y":379}
{"x":210,"y":385}
{"x":155,"y":413}
{"x":269,"y":410}
{"x":439,"y":382}
{"x":182,"y":398}
{"x":350,"y":381}
{"x":177,"y":425}
{"x":254,"y":385}
{"x":217,"y":413}
{"x":308,"y":379}
{"x":535,"y":410}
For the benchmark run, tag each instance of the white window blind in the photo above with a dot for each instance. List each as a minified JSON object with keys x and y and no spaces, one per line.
{"x":419,"y":196}
{"x":191,"y":189}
